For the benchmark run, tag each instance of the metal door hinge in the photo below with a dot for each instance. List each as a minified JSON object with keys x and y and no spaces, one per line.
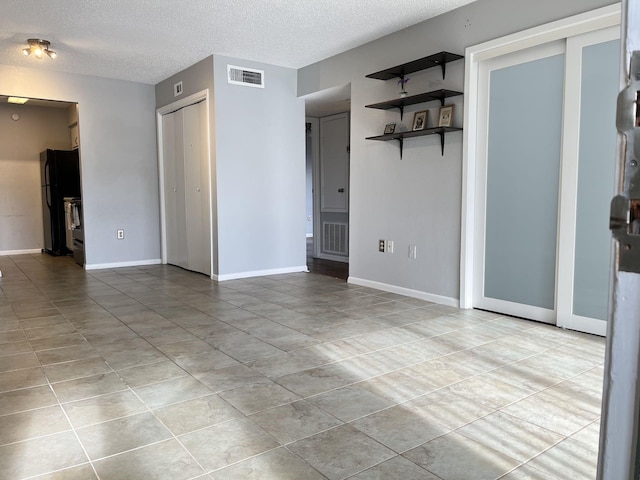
{"x":624,"y":220}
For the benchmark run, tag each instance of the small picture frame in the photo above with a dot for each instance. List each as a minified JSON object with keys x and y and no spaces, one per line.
{"x":445,"y":116}
{"x":420,"y":120}
{"x":389,"y":128}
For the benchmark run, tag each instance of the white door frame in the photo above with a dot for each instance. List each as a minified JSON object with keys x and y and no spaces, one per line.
{"x":583,"y":23}
{"x":172,"y":107}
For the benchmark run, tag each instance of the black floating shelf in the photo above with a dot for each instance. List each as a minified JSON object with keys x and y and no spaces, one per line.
{"x":435,"y":60}
{"x":400,"y":103}
{"x":400,"y":136}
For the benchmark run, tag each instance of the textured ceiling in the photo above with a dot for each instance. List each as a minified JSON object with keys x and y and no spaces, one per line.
{"x":149,"y":40}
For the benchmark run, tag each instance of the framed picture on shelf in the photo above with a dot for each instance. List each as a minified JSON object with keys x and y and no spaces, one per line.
{"x":445,"y":116}
{"x":420,"y":120}
{"x":389,"y":128}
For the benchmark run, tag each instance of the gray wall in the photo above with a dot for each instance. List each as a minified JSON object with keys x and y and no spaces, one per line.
{"x":117,"y":156}
{"x":197,"y":78}
{"x":260,"y":156}
{"x":21,"y":142}
{"x":416,"y":200}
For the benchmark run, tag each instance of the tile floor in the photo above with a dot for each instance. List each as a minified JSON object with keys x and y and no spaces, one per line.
{"x":155,"y":372}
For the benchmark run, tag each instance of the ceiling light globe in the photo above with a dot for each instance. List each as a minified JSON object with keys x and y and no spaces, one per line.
{"x":38,"y":52}
{"x":26,"y":52}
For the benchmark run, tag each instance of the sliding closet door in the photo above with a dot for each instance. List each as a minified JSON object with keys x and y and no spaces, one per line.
{"x":520,"y":168}
{"x":590,"y":160}
{"x":546,"y":166}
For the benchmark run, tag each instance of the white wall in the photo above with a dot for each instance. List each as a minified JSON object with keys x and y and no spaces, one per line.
{"x":21,"y":142}
{"x":260,"y":156}
{"x":416,"y":200}
{"x":117,"y":157}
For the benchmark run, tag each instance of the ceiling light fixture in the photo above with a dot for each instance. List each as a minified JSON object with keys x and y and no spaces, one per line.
{"x":17,"y":100}
{"x":39,"y":48}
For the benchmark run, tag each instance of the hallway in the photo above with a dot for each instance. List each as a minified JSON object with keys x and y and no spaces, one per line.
{"x":156,"y":372}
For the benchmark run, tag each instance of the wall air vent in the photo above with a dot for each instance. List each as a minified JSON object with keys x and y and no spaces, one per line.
{"x":177,"y":89}
{"x":335,"y":238}
{"x":248,"y":77}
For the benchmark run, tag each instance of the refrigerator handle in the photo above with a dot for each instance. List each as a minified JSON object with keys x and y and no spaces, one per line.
{"x":47,"y":186}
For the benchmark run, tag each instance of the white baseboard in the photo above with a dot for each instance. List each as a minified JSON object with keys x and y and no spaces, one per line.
{"x":258,"y":273}
{"x":429,"y":297}
{"x":134,"y":263}
{"x":20,"y":252}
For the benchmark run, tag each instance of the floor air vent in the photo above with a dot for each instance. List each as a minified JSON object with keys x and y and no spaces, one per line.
{"x":334,"y":239}
{"x":245,"y":76}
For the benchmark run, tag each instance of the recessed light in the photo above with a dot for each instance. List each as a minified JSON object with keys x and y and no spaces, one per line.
{"x":15,"y":117}
{"x":18,"y":100}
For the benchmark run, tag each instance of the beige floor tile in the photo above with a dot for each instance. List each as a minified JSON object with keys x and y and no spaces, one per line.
{"x":67,"y":354}
{"x":341,"y":452}
{"x":17,"y":361}
{"x":395,"y":468}
{"x":191,"y":415}
{"x":117,"y":436}
{"x":278,"y":464}
{"x":31,"y":424}
{"x":400,"y":428}
{"x":163,"y":461}
{"x":350,"y":403}
{"x":171,"y":391}
{"x":77,"y":369}
{"x":511,"y":436}
{"x":78,"y":389}
{"x":454,"y":457}
{"x":257,"y":397}
{"x":295,"y":421}
{"x":103,"y":408}
{"x":231,"y":377}
{"x":13,"y":348}
{"x":204,"y":362}
{"x":26,"y":399}
{"x":81,"y":472}
{"x":357,"y":352}
{"x":227,"y":443}
{"x":152,"y":373}
{"x":40,"y":455}
{"x":23,"y":378}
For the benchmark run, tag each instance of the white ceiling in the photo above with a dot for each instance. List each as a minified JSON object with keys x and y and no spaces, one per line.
{"x":149,"y":40}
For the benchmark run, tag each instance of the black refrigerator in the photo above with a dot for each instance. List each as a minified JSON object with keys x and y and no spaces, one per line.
{"x":60,"y":176}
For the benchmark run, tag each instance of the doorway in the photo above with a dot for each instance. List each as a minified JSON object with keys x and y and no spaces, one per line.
{"x":32,"y":212}
{"x":544,"y":153}
{"x":327,"y":156}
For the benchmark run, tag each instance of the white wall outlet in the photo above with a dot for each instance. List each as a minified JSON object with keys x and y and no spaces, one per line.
{"x":412,"y":251}
{"x":120,"y":234}
{"x":381,"y":245}
{"x":389,"y":246}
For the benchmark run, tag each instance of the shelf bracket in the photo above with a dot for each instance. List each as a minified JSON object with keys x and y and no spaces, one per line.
{"x":401,"y":140}
{"x":401,"y":107}
{"x":444,"y":69}
{"x":441,"y":142}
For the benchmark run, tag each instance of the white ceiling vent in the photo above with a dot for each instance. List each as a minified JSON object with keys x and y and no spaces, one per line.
{"x":248,"y":77}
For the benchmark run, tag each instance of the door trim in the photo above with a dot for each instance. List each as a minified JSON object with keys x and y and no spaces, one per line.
{"x":583,"y":23}
{"x":172,"y":107}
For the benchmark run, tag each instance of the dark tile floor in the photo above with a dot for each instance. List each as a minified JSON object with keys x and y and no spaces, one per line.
{"x":155,"y":372}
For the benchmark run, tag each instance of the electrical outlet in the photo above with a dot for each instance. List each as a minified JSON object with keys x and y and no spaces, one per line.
{"x":381,"y":245}
{"x":120,"y":234}
{"x":412,"y":251}
{"x":390,"y":246}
